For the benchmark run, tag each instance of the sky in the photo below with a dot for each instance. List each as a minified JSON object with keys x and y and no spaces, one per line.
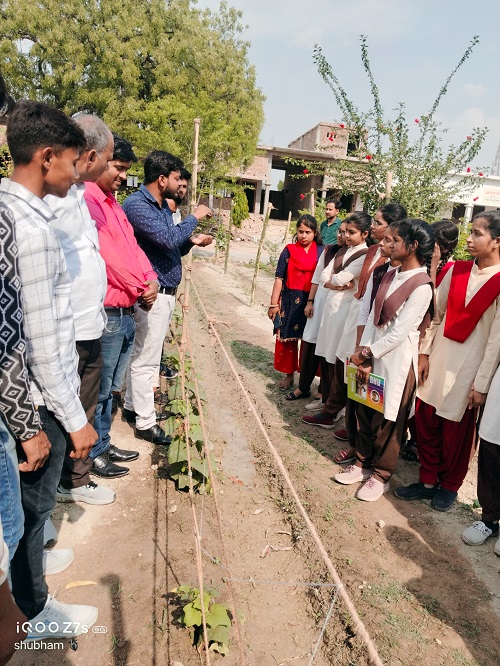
{"x":413,"y":45}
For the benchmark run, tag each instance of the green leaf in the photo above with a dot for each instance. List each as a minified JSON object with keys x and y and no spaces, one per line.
{"x":192,"y":616}
{"x":177,"y":452}
{"x":218,"y":616}
{"x":195,"y":433}
{"x":206,"y":600}
{"x":200,"y":466}
{"x":182,"y":481}
{"x":219,"y":634}
{"x":178,"y":407}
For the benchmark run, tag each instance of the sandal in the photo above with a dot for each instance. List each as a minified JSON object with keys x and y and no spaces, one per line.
{"x":285,"y":384}
{"x":293,"y":396}
{"x":345,"y":456}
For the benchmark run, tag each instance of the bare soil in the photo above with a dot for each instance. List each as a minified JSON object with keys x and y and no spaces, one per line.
{"x":425,"y":597}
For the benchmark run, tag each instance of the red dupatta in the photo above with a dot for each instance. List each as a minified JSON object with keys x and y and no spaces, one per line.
{"x":301,"y":266}
{"x":461,"y":319}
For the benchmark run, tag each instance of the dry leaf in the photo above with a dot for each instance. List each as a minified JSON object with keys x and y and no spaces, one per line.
{"x":257,"y":511}
{"x":265,"y":551}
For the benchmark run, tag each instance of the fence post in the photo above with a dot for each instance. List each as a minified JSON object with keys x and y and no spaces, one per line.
{"x":259,"y":251}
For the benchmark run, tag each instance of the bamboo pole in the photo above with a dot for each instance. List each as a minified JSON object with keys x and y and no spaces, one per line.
{"x":189,"y":260}
{"x":287,"y":228}
{"x":388,"y":187}
{"x":259,"y":251}
{"x":313,"y":202}
{"x":228,"y":242}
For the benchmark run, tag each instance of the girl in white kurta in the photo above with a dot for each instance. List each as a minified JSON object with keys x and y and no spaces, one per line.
{"x":390,"y":342}
{"x":458,"y":357}
{"x":488,"y":472}
{"x":341,"y":280}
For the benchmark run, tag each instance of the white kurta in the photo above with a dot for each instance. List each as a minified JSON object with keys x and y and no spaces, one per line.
{"x":395,"y":345}
{"x":348,"y":339}
{"x":312,"y":325}
{"x":337,"y":304}
{"x":456,"y":367}
{"x":489,"y":428}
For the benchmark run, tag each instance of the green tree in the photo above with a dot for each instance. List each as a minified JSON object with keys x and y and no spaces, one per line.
{"x":147,"y":68}
{"x":421,"y":167}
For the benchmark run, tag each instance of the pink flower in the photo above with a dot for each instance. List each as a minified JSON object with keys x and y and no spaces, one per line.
{"x":475,"y":199}
{"x":468,"y":169}
{"x":469,"y":138}
{"x":306,"y":171}
{"x":302,"y":196}
{"x":341,"y":125}
{"x":417,"y":120}
{"x":480,"y":173}
{"x":368,"y":157}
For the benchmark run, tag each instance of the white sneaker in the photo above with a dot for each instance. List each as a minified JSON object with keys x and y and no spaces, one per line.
{"x":50,"y":535}
{"x":55,"y":561}
{"x":91,"y":494}
{"x":352,"y":474}
{"x":372,"y":490}
{"x":59,"y":620}
{"x":315,"y":405}
{"x":476,"y":534}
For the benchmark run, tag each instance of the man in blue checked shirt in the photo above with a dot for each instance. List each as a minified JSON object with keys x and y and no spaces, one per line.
{"x":164,"y":243}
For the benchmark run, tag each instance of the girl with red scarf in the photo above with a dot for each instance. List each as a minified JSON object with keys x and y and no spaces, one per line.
{"x":294,"y":273}
{"x":458,"y":358}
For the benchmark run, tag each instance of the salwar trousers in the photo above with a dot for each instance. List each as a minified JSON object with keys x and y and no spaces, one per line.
{"x":444,"y":447}
{"x":309,"y":365}
{"x":379,"y":440}
{"x":488,"y":480}
{"x":286,"y":356}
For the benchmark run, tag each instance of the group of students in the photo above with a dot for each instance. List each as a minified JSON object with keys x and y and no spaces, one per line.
{"x":389,"y":299}
{"x":87,"y":291}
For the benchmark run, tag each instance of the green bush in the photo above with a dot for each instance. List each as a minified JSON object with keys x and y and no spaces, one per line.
{"x":240,"y":207}
{"x":461,"y":252}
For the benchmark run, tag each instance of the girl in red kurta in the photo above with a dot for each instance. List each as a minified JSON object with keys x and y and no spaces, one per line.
{"x":294,"y":273}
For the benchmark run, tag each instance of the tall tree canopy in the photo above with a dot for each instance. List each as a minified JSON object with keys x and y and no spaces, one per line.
{"x":147,"y":68}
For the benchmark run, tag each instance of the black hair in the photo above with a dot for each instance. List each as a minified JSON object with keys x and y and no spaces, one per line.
{"x":310,"y":222}
{"x":492,"y":218}
{"x":361,"y":220}
{"x":335,"y":202}
{"x":413,"y":230}
{"x":34,"y":125}
{"x":185,"y":174}
{"x":446,"y":233}
{"x":393,"y":212}
{"x":123,"y":150}
{"x":6,"y":101}
{"x":160,"y":163}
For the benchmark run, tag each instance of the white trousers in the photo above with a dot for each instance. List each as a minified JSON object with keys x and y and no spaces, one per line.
{"x":142,"y":376}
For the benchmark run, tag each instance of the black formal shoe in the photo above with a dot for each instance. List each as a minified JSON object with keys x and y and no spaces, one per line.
{"x":102,"y":466}
{"x":129,"y":415}
{"x":154,"y":434}
{"x":120,"y":455}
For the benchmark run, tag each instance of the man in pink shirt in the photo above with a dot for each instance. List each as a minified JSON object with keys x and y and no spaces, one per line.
{"x":131,"y":279}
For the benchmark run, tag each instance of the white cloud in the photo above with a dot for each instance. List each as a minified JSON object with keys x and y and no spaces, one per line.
{"x":473,"y":90}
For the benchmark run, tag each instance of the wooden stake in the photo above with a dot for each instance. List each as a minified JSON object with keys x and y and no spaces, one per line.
{"x":228,"y":242}
{"x":189,"y":260}
{"x":388,"y":187}
{"x":259,"y":251}
{"x":313,"y":202}
{"x":287,"y":228}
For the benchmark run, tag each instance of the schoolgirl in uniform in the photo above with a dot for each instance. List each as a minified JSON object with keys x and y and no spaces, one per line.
{"x":458,"y":357}
{"x":342,"y":282}
{"x":390,"y":350}
{"x":309,"y":362}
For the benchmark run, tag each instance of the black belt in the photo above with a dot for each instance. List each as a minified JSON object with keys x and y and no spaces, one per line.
{"x":170,"y":291}
{"x":120,"y":311}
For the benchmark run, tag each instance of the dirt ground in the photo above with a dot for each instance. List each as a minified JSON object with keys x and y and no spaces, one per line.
{"x":425,"y":597}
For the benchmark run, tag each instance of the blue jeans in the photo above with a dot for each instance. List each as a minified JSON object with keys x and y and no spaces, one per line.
{"x":39,"y":498}
{"x":11,"y":509}
{"x":117,"y":344}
